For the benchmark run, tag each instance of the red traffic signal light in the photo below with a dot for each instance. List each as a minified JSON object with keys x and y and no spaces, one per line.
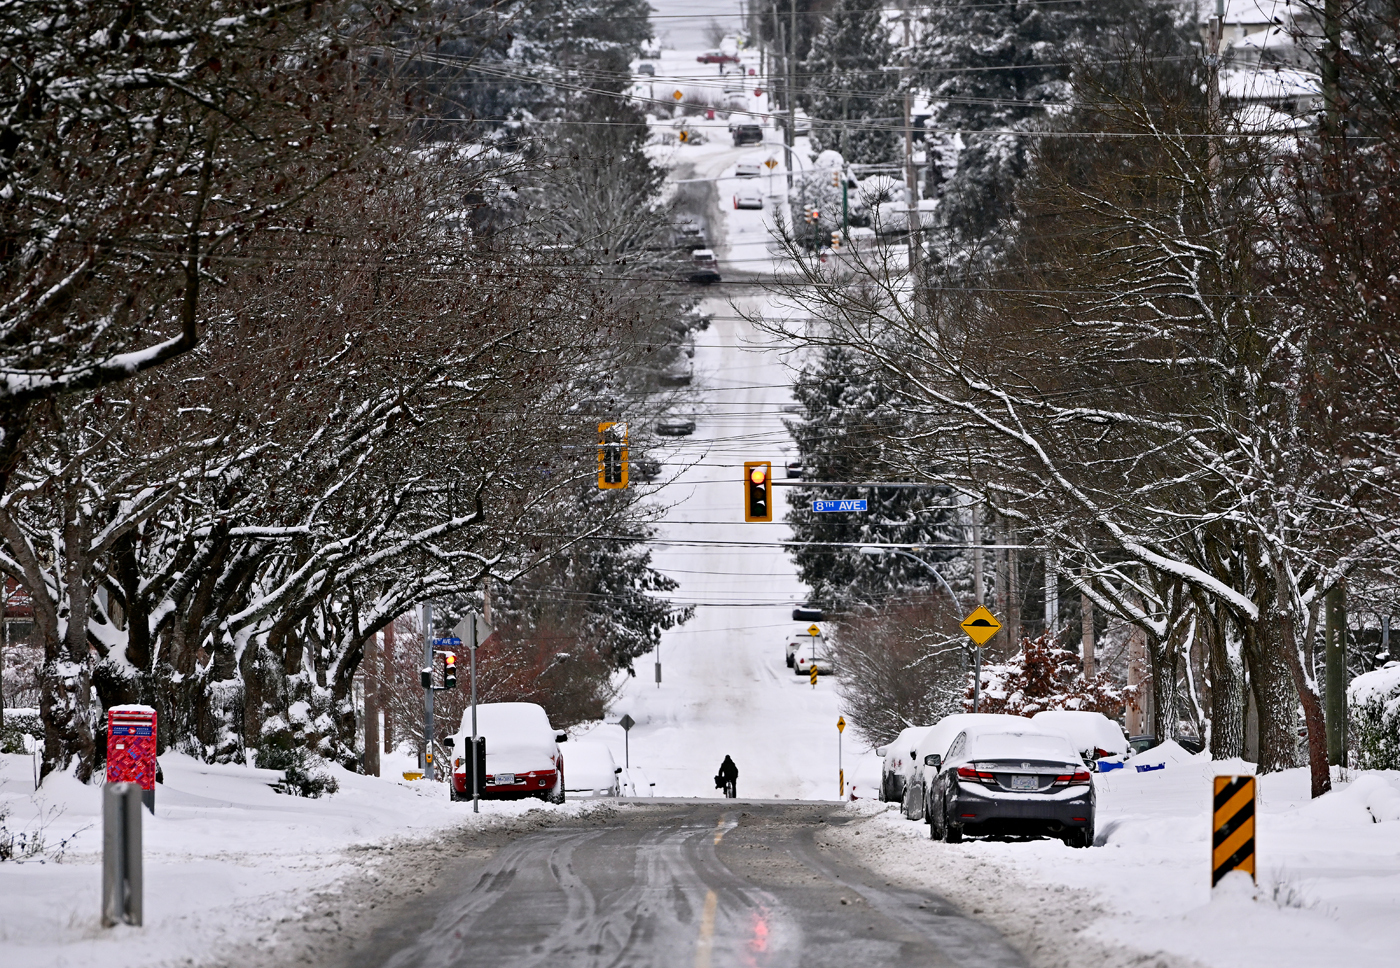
{"x":758,"y":491}
{"x":449,"y":670}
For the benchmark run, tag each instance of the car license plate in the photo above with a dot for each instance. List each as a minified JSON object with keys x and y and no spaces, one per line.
{"x":505,"y":779}
{"x":1022,"y":782}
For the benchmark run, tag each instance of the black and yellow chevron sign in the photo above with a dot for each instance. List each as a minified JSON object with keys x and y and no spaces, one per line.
{"x":1233,"y":826}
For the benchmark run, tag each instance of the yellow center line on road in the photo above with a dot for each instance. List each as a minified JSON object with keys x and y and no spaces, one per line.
{"x":705,"y":945}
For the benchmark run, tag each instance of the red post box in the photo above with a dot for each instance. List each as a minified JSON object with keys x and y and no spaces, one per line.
{"x":131,"y":749}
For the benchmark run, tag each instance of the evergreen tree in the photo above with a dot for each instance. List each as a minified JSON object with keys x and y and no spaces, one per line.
{"x":848,"y":430}
{"x":851,"y":87}
{"x":1001,"y":68}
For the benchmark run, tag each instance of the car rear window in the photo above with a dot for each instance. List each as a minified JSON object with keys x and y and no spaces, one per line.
{"x":993,"y":746}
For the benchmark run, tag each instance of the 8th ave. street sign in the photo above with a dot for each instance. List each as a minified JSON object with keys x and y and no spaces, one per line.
{"x":981,"y":625}
{"x":820,"y":506}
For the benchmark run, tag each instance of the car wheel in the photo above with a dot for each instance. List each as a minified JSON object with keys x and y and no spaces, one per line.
{"x":1080,"y":837}
{"x":791,"y":661}
{"x":556,"y":795}
{"x":935,"y":830}
{"x":951,"y":834}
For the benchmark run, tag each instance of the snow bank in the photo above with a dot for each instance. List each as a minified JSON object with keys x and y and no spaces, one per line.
{"x":1329,"y":875}
{"x":225,"y":856}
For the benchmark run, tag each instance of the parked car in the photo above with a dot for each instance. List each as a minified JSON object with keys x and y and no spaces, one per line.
{"x":592,"y":770}
{"x":936,"y":741}
{"x":679,"y":373}
{"x":748,"y":196}
{"x":675,"y":427}
{"x":793,"y":468}
{"x":1140,"y":744}
{"x":522,"y":753}
{"x":748,"y":169}
{"x":704,"y":267}
{"x":898,"y":763}
{"x":1010,"y":780}
{"x":1093,"y":734}
{"x":645,"y":68}
{"x":746,"y":134}
{"x":792,"y":648}
{"x":822,"y":660}
{"x":717,"y":57}
{"x":644,"y":469}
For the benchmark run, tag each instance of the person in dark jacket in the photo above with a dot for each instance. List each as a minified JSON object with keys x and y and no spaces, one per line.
{"x":729,"y":773}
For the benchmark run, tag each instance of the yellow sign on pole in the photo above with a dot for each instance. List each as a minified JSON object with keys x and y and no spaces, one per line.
{"x":840,"y":724}
{"x":813,"y":630}
{"x":814,"y":675}
{"x":981,"y":625}
{"x":677,"y":95}
{"x":1232,"y":827}
{"x":771,"y":163}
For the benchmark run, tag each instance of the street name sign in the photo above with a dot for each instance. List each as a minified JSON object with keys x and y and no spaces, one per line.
{"x":981,"y":625}
{"x":823,"y":506}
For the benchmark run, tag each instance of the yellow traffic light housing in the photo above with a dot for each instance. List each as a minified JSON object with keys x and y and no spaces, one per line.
{"x":449,"y":670}
{"x":612,"y":455}
{"x":758,"y":490}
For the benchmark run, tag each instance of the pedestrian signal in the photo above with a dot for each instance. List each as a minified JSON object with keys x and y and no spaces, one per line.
{"x":612,"y":455}
{"x":449,"y":670}
{"x":758,"y":491}
{"x":835,"y":179}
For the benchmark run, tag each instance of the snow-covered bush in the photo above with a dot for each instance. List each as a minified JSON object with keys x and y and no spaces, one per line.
{"x":1041,"y":677}
{"x":1374,"y":700}
{"x":20,"y":723}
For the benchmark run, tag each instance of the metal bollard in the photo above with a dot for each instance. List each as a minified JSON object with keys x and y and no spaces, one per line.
{"x":121,"y":854}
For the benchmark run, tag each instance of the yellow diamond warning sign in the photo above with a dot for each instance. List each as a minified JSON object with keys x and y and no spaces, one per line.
{"x":840,"y":724}
{"x":981,"y":625}
{"x":813,"y":630}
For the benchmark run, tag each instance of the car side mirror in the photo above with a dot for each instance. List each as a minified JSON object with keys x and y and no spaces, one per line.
{"x":449,"y":743}
{"x":933,"y":760}
{"x":561,"y":737}
{"x":881,"y":750}
{"x":617,"y":769}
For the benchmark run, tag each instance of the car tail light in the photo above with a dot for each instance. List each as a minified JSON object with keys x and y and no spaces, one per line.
{"x":973,"y":774}
{"x":1077,"y":778}
{"x":1101,"y":753}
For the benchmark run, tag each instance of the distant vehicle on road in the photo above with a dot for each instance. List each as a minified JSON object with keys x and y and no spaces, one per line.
{"x":645,"y":469}
{"x":675,"y":427}
{"x":898,"y":763}
{"x":648,"y":69}
{"x":717,"y":57}
{"x":592,"y":770}
{"x":704,"y":267}
{"x":522,"y":753}
{"x":679,"y":373}
{"x":746,"y":134}
{"x":793,"y":469}
{"x":1010,"y":780}
{"x":748,"y":169}
{"x":1145,"y":742}
{"x":748,"y":196}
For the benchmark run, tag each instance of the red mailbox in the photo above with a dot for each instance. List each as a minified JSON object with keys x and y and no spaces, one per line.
{"x":131,"y":749}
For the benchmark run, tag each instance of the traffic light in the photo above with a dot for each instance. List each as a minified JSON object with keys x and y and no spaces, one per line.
{"x":835,"y":179}
{"x":449,"y":670}
{"x":758,"y":490}
{"x":835,"y":238}
{"x":612,"y":455}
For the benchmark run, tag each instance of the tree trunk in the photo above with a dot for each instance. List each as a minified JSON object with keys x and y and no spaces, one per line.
{"x":1335,"y":662}
{"x":1275,"y":695}
{"x":1086,"y":631}
{"x":1227,"y":687}
{"x":1166,"y":713}
{"x":386,"y":680}
{"x":1290,"y":647}
{"x":370,"y":669}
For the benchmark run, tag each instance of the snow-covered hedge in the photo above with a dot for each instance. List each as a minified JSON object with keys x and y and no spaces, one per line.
{"x":1374,"y":698}
{"x":20,"y":723}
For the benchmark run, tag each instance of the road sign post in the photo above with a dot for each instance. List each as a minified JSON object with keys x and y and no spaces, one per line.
{"x":428,"y":692}
{"x":813,"y":675}
{"x":980,"y":626}
{"x":474,"y":630}
{"x":840,"y":760}
{"x":627,"y":722}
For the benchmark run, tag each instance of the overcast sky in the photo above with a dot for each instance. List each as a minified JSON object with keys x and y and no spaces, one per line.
{"x":681,"y":23}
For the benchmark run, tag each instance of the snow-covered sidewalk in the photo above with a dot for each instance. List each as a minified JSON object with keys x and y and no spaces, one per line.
{"x":226,"y":857}
{"x":1329,"y":875}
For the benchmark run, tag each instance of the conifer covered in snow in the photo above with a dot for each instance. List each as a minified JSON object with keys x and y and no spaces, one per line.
{"x":852,"y":83}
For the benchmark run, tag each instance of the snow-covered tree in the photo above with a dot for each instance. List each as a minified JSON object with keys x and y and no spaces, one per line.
{"x":851,"y":84}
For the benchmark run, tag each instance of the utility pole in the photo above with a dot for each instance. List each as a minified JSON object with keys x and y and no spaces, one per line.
{"x":1052,"y":596}
{"x":428,"y":692}
{"x":1215,"y":30}
{"x":911,"y":196}
{"x":370,"y":665}
{"x":1335,"y":670}
{"x":1013,"y":593}
{"x":791,"y":86}
{"x":977,"y":591}
{"x":390,"y":643}
{"x":1086,"y":628}
{"x":476,"y":780}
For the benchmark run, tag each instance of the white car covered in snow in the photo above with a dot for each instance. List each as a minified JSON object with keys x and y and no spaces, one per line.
{"x":935,"y":742}
{"x":1095,"y":735}
{"x":898,"y":758}
{"x":592,"y":770}
{"x":748,"y":196}
{"x":522,"y":753}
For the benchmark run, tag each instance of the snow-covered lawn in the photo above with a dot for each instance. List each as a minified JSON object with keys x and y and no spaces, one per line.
{"x":1329,"y":875}
{"x":226,"y":857}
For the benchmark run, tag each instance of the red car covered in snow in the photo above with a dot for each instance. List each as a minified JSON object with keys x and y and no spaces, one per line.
{"x":522,"y":753}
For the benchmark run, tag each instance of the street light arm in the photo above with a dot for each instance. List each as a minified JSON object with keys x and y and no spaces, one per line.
{"x":874,"y":551}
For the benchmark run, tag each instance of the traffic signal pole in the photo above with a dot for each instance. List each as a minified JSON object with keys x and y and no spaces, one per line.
{"x":476,"y":780}
{"x":428,"y":692}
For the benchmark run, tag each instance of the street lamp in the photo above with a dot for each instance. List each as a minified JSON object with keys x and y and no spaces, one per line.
{"x":875,"y":551}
